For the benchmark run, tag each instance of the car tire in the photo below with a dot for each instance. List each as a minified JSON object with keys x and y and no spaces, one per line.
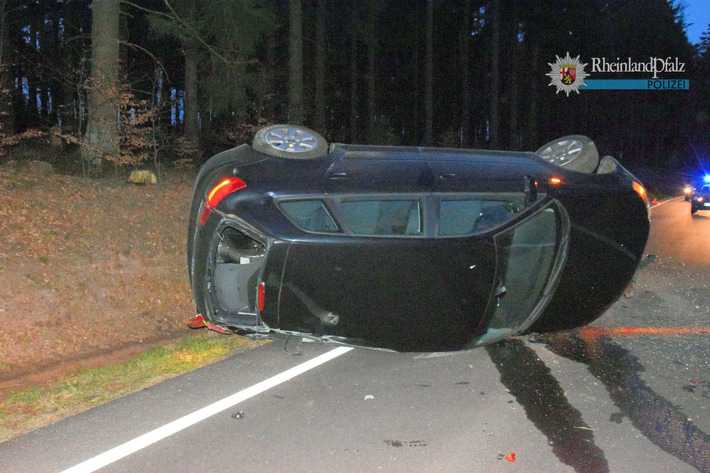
{"x":574,"y":152}
{"x":290,"y":142}
{"x":693,"y":210}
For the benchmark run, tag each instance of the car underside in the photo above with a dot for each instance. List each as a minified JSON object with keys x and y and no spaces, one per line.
{"x":412,"y":249}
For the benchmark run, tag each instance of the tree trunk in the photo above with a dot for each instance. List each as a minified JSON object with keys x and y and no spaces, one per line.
{"x":371,"y":97}
{"x":320,"y":67}
{"x":495,"y":73}
{"x":46,"y":49}
{"x":295,"y":63}
{"x":7,"y":126}
{"x":514,"y":86}
{"x":416,"y":98}
{"x":102,"y":137}
{"x":36,"y":85}
{"x":465,"y":76}
{"x":67,"y":112}
{"x":353,"y":74}
{"x":534,"y":92}
{"x":192,"y":103}
{"x":428,"y":75}
{"x":270,"y":86}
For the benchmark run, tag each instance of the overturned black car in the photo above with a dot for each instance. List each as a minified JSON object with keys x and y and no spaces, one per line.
{"x":410,"y":248}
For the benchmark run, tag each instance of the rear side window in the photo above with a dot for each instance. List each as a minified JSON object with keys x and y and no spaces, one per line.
{"x":382,"y":217}
{"x":469,"y":216}
{"x":310,"y":215}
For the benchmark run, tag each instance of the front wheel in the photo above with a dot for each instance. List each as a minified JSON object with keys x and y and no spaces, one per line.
{"x":290,"y":142}
{"x":693,"y":210}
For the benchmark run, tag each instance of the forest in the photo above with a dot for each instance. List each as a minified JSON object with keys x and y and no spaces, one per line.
{"x":114,"y":84}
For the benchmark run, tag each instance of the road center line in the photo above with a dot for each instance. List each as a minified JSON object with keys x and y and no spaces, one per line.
{"x":110,"y":456}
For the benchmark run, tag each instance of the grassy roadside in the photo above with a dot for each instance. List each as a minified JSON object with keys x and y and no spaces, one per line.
{"x":36,"y":406}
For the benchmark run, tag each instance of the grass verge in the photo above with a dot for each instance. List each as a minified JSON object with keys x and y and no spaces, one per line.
{"x":36,"y":406}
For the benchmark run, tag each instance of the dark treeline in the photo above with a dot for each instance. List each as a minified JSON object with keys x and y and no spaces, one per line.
{"x":202,"y":75}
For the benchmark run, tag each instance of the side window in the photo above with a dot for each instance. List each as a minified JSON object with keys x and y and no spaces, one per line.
{"x":458,"y":217}
{"x":310,"y":215}
{"x":382,"y":217}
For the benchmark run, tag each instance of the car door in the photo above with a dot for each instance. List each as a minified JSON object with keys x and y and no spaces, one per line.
{"x":529,"y":257}
{"x":413,"y":295}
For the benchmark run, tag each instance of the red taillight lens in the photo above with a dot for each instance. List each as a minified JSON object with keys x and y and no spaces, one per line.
{"x":261,"y":296}
{"x":221,"y":190}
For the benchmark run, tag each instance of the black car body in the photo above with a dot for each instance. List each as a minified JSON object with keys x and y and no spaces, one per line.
{"x":700,"y":199}
{"x":410,"y":248}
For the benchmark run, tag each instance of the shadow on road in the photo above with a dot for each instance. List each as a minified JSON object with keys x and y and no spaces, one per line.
{"x":657,"y":418}
{"x":538,"y":392}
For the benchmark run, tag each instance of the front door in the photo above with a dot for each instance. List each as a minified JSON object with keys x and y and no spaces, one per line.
{"x":529,"y":257}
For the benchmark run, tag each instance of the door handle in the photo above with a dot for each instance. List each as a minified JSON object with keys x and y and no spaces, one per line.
{"x":501,"y":291}
{"x":339,"y":176}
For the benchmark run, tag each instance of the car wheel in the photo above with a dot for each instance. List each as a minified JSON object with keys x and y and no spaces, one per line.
{"x":573,"y":152}
{"x":290,"y":142}
{"x":693,"y":209}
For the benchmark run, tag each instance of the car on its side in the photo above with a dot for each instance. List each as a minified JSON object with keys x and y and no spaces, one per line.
{"x":700,"y":199}
{"x":410,"y":248}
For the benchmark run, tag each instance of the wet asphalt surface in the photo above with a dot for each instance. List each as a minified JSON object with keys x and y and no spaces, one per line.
{"x":630,"y":394}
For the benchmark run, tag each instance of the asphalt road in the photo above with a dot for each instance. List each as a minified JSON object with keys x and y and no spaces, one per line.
{"x":631,"y":394}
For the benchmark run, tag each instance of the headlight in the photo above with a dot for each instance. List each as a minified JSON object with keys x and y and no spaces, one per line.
{"x":687,"y":190}
{"x":699,"y":199}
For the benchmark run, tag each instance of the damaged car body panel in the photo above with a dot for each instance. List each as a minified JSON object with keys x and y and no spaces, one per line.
{"x":407,"y":248}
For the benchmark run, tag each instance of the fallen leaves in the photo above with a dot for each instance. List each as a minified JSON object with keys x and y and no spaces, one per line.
{"x":88,"y":264}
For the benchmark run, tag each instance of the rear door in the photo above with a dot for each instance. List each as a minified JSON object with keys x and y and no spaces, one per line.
{"x":385,"y":279}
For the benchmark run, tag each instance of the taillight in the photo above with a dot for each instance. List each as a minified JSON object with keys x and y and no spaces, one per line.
{"x":221,"y":190}
{"x":261,"y":296}
{"x":640,"y":190}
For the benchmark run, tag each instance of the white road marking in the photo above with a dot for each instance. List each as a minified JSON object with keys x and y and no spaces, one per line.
{"x":110,"y":456}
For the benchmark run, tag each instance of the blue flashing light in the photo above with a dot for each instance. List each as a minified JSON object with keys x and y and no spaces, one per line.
{"x":706,"y":178}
